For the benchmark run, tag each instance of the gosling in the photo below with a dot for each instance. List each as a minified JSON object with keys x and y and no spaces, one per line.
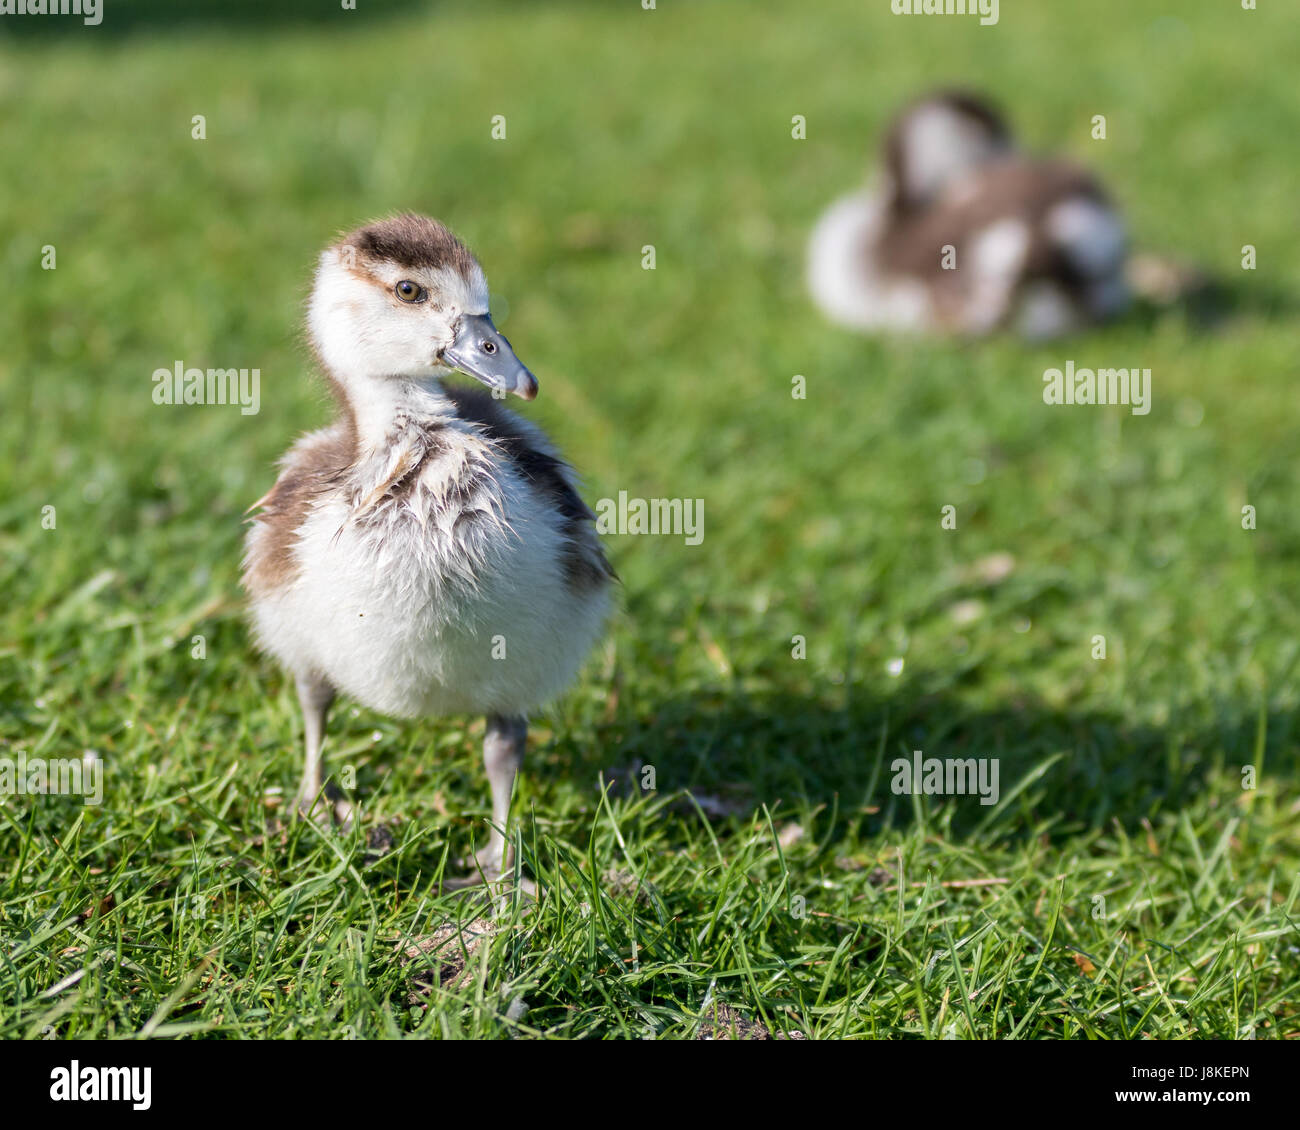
{"x":967,"y":235}
{"x":427,"y":553}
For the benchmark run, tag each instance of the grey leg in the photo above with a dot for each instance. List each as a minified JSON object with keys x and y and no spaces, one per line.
{"x":315,"y":696}
{"x":503,"y":752}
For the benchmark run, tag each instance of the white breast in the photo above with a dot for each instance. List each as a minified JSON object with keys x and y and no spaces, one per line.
{"x":428,"y":608}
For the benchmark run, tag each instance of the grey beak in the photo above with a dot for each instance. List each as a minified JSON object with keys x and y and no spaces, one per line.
{"x":481,"y":351}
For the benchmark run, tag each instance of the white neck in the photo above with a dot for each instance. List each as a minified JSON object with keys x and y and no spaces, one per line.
{"x":387,"y":406}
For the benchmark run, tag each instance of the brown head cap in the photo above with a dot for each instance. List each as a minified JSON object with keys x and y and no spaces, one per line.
{"x":411,"y":240}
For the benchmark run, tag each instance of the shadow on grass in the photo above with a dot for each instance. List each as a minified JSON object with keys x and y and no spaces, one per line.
{"x":1214,"y":304}
{"x":1059,"y":772}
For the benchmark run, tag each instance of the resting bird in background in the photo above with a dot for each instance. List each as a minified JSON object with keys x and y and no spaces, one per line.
{"x":966,"y":234}
{"x":427,"y":553}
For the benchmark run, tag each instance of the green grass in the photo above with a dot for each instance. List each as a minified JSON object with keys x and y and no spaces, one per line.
{"x":796,"y":889}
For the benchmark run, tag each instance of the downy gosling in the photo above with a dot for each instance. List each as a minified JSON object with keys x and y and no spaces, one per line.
{"x":427,"y":553}
{"x":965,"y":234}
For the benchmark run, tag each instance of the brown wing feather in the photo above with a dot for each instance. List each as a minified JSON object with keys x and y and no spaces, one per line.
{"x":318,"y":463}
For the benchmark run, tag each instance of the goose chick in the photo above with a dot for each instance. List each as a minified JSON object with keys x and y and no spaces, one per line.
{"x":427,"y":553}
{"x":968,"y":235}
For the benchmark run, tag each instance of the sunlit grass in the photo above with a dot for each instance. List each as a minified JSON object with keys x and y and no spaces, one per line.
{"x":1126,"y":885}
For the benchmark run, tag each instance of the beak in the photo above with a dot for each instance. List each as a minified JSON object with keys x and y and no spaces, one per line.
{"x":481,"y":351}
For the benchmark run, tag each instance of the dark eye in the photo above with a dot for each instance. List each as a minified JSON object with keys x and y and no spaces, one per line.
{"x":408,"y":291}
{"x":489,"y":347}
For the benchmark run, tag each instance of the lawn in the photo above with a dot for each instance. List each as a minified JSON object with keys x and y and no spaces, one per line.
{"x":1125,"y":885}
